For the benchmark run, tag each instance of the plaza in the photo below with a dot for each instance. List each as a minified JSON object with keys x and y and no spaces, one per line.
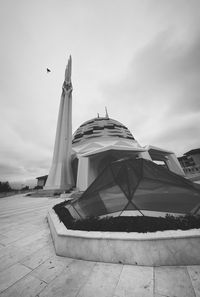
{"x":30,"y":267}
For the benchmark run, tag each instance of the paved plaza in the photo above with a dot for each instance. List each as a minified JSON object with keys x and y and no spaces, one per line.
{"x":29,"y":266}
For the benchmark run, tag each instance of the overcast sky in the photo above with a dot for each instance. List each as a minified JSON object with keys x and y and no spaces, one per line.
{"x":139,"y":58}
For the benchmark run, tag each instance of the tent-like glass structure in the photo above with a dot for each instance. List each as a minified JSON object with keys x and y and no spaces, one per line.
{"x":136,"y":184}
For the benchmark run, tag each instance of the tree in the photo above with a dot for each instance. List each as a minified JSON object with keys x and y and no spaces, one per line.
{"x":5,"y":187}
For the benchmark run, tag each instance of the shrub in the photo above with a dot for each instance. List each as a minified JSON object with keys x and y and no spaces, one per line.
{"x":126,"y":224}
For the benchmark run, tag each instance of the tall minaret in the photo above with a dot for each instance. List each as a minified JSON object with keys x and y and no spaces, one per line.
{"x":60,"y":176}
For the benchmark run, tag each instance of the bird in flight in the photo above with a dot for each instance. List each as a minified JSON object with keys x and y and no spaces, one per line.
{"x":48,"y":70}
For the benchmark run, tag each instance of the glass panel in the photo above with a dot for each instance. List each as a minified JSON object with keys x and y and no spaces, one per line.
{"x":113,"y":199}
{"x":157,"y":196}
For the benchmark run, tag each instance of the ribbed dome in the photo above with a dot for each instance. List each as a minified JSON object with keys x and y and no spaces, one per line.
{"x":101,"y":127}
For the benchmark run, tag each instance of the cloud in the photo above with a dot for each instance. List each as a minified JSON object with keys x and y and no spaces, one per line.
{"x":143,"y":64}
{"x":22,"y":155}
{"x":160,"y":93}
{"x":21,"y":170}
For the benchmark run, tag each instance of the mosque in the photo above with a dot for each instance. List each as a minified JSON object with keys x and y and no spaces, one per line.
{"x":102,"y":140}
{"x":79,"y":158}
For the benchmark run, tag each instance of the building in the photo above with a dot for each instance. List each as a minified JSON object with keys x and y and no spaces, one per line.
{"x":194,"y":155}
{"x":79,"y":159}
{"x":190,"y":163}
{"x":41,"y":181}
{"x":102,"y":140}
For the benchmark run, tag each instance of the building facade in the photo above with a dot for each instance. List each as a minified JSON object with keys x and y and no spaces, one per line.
{"x":102,"y":140}
{"x":190,"y":163}
{"x":41,"y":181}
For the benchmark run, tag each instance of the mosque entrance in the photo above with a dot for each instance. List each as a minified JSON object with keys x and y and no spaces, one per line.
{"x":100,"y":161}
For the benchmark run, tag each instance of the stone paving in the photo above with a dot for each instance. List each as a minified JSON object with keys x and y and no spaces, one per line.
{"x":29,"y":266}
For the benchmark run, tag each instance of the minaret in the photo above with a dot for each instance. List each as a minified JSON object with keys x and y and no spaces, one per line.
{"x":60,"y":176}
{"x":107,"y":116}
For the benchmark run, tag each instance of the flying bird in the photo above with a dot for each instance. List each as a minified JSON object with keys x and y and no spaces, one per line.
{"x":48,"y":70}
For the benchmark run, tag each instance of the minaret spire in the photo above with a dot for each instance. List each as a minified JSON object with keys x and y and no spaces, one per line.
{"x":60,"y":176}
{"x":107,"y":116}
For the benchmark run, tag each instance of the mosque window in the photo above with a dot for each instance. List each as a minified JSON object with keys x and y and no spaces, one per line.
{"x":111,"y":126}
{"x":78,"y":136}
{"x":88,"y":132}
{"x":98,"y":128}
{"x":119,"y":126}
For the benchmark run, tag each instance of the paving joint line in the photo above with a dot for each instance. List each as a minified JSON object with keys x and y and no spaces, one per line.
{"x":53,"y":280}
{"x":118,"y":280}
{"x":154,"y":281}
{"x":191,"y":281}
{"x":83,"y":285}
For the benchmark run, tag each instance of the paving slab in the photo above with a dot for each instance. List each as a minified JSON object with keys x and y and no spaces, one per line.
{"x":32,"y":238}
{"x":2,"y":238}
{"x":37,"y":258}
{"x":135,"y":281}
{"x":173,"y":282}
{"x":194,"y":272}
{"x":51,"y":268}
{"x":11,"y":275}
{"x":10,"y":259}
{"x":29,"y":266}
{"x":70,"y":281}
{"x":102,"y":281}
{"x":28,"y":286}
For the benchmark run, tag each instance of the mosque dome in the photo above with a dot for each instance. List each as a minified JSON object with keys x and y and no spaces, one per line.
{"x":101,"y":127}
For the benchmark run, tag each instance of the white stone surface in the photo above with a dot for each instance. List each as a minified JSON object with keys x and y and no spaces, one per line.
{"x":97,"y":280}
{"x":66,"y":196}
{"x":76,"y":277}
{"x":173,"y":281}
{"x":135,"y":281}
{"x":11,"y":275}
{"x":149,"y":249}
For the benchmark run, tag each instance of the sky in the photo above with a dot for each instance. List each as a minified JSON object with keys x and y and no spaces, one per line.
{"x":140,"y":58}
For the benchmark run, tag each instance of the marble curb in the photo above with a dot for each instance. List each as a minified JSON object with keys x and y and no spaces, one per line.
{"x":150,"y":249}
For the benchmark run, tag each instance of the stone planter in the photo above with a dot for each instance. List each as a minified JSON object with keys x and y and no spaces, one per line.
{"x":149,"y":249}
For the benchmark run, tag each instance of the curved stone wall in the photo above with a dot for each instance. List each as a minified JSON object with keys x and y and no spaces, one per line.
{"x":149,"y":249}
